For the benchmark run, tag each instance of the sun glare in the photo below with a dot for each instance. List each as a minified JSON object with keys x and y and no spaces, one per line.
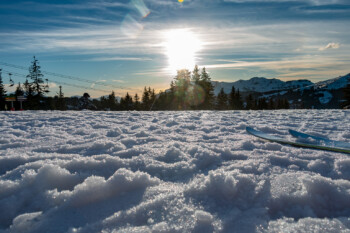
{"x":181,"y":48}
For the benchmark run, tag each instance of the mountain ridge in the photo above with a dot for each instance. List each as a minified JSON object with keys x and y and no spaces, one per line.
{"x":263,"y":85}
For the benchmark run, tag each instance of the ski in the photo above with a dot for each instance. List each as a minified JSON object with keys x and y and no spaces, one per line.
{"x":320,"y":140}
{"x":272,"y":138}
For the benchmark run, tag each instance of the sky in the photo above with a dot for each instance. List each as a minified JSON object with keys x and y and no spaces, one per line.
{"x":103,"y":45}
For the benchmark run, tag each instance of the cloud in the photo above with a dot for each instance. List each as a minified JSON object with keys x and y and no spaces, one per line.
{"x":121,"y":59}
{"x":312,"y":2}
{"x":118,"y":81}
{"x":330,"y":46}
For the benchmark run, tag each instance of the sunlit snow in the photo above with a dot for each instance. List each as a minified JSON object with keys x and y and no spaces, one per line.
{"x":171,"y":172}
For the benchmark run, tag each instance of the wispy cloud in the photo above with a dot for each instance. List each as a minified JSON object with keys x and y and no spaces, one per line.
{"x":118,"y":81}
{"x":120,"y":59}
{"x":313,"y":2}
{"x":330,"y":46}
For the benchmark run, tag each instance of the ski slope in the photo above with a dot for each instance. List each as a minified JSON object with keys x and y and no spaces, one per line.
{"x":171,"y":172}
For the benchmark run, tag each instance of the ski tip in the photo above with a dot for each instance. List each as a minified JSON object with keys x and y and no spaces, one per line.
{"x":250,"y":130}
{"x":292,"y":132}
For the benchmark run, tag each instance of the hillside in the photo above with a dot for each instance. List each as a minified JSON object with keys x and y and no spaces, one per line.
{"x":257,"y":84}
{"x":299,"y":93}
{"x":262,"y":85}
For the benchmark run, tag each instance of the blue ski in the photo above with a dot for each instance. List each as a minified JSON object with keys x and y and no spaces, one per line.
{"x":317,"y":146}
{"x":320,"y":140}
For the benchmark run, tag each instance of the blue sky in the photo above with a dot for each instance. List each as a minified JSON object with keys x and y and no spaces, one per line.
{"x":126,"y":45}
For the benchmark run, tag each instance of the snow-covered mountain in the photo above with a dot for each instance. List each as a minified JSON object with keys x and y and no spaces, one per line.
{"x":333,"y":84}
{"x":259,"y":84}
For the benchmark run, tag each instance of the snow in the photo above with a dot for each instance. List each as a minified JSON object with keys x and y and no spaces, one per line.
{"x":334,"y":84}
{"x":260,"y":85}
{"x":257,"y":84}
{"x":171,"y":172}
{"x":326,"y":97}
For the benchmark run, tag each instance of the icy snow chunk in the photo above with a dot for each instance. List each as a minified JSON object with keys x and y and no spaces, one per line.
{"x":129,"y":142}
{"x":205,"y":158}
{"x":162,"y":227}
{"x":299,"y":195}
{"x":227,"y":154}
{"x":171,"y":122}
{"x":52,"y":176}
{"x":204,"y":222}
{"x":142,"y":134}
{"x":307,"y":225}
{"x":273,"y":146}
{"x":225,"y":188}
{"x":246,"y":145}
{"x":172,"y":155}
{"x":115,"y":132}
{"x":25,"y":222}
{"x":342,"y":167}
{"x":95,"y":188}
{"x":319,"y":166}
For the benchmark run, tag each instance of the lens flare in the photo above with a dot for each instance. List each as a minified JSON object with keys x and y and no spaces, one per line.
{"x":130,"y":27}
{"x":195,"y":95}
{"x":141,"y":7}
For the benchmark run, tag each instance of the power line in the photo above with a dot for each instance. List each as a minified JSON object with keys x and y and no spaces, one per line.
{"x":58,"y":82}
{"x":65,"y":76}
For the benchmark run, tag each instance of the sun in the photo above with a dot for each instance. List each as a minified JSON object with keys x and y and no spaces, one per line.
{"x":181,"y":48}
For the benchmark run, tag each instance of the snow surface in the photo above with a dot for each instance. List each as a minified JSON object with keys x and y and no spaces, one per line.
{"x":171,"y":172}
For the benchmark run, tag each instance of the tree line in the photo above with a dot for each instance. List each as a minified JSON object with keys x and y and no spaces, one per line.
{"x":189,"y":90}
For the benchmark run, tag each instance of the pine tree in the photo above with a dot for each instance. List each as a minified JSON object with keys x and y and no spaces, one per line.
{"x":28,"y":91}
{"x":103,"y":104}
{"x":182,"y":83}
{"x":250,"y":102}
{"x":195,"y":75}
{"x":38,"y":85}
{"x":171,"y":97}
{"x":286,"y":104}
{"x":239,"y":101}
{"x":152,"y":97}
{"x":205,"y":83}
{"x":61,"y":103}
{"x":146,"y":100}
{"x":222,"y":100}
{"x":271,"y":104}
{"x":126,"y":103}
{"x":112,"y":101}
{"x":262,"y":104}
{"x":19,"y":91}
{"x":2,"y":93}
{"x":137,"y":104}
{"x":232,"y":99}
{"x":162,"y":102}
{"x":282,"y":104}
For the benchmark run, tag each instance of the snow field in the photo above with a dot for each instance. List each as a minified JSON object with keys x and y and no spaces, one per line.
{"x":171,"y":172}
